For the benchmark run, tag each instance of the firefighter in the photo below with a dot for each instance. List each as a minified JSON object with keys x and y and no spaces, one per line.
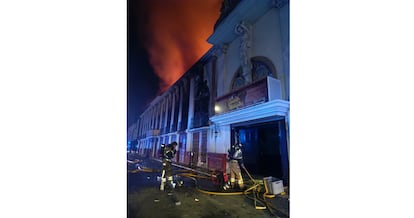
{"x":235,"y":157}
{"x":161,"y":151}
{"x":166,"y":178}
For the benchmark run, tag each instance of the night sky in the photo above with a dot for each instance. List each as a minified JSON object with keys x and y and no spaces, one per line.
{"x":142,"y":83}
{"x":165,"y":38}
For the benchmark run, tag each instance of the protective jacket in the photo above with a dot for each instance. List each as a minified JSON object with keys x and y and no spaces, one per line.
{"x":235,"y":158}
{"x":161,"y":151}
{"x":169,"y":153}
{"x":235,"y":153}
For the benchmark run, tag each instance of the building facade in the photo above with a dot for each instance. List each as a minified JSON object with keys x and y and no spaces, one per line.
{"x":238,"y":91}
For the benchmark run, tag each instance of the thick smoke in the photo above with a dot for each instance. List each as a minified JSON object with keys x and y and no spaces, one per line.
{"x":177,"y":35}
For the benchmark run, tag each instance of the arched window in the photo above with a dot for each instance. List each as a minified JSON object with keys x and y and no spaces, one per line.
{"x":238,"y":80}
{"x":262,"y":67}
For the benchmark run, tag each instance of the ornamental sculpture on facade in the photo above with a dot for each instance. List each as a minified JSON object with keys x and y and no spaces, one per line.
{"x":243,"y":30}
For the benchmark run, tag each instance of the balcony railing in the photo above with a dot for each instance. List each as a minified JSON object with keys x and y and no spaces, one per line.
{"x":153,"y":132}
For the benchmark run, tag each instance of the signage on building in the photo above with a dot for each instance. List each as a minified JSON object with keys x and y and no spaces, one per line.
{"x":234,"y":102}
{"x":246,"y":96}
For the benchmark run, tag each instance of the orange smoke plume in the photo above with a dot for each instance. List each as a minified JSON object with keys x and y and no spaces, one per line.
{"x":177,"y":35}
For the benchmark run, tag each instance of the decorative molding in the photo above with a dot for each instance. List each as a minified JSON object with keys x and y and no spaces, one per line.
{"x":262,"y":110}
{"x":243,"y":29}
{"x":247,"y":10}
{"x":197,"y":129}
{"x":224,"y":48}
{"x":220,"y":50}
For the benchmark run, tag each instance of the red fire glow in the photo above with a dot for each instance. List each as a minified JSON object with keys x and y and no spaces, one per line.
{"x":177,"y":35}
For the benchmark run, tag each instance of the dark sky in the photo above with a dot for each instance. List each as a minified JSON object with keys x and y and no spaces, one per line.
{"x":165,"y":38}
{"x":142,"y":83}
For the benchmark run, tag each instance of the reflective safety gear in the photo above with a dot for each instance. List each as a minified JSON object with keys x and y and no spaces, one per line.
{"x":163,"y":180}
{"x":235,"y":174}
{"x":235,"y":156}
{"x":169,"y":153}
{"x":240,"y":181}
{"x":235,"y":153}
{"x":161,"y":151}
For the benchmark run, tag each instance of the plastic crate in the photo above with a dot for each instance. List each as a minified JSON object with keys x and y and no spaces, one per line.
{"x":273,"y":185}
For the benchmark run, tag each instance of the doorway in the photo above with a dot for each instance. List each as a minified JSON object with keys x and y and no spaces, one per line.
{"x":264,"y":148}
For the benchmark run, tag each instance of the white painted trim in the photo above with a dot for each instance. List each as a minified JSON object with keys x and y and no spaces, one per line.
{"x":262,"y":110}
{"x":198,"y":129}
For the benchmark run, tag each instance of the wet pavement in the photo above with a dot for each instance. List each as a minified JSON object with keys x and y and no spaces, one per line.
{"x":197,"y":197}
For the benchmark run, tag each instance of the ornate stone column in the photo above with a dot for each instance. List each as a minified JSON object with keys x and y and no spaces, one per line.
{"x":144,"y":123}
{"x":172,"y":110}
{"x":243,"y":30}
{"x":151,"y":117}
{"x":156,"y":111}
{"x":160,"y":112}
{"x":191,"y":104}
{"x":181,"y":103}
{"x":167,"y":101}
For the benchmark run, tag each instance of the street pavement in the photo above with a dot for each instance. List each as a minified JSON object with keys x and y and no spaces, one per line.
{"x":196,"y":197}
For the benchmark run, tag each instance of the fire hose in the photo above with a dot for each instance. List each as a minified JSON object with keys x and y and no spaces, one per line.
{"x":254,"y":189}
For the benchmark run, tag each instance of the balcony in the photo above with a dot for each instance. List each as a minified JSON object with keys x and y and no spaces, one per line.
{"x":153,"y":132}
{"x":267,"y":89}
{"x":254,"y":101}
{"x":199,"y":120}
{"x":173,"y":128}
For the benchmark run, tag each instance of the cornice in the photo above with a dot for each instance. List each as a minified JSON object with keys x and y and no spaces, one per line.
{"x":268,"y":109}
{"x":248,"y":11}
